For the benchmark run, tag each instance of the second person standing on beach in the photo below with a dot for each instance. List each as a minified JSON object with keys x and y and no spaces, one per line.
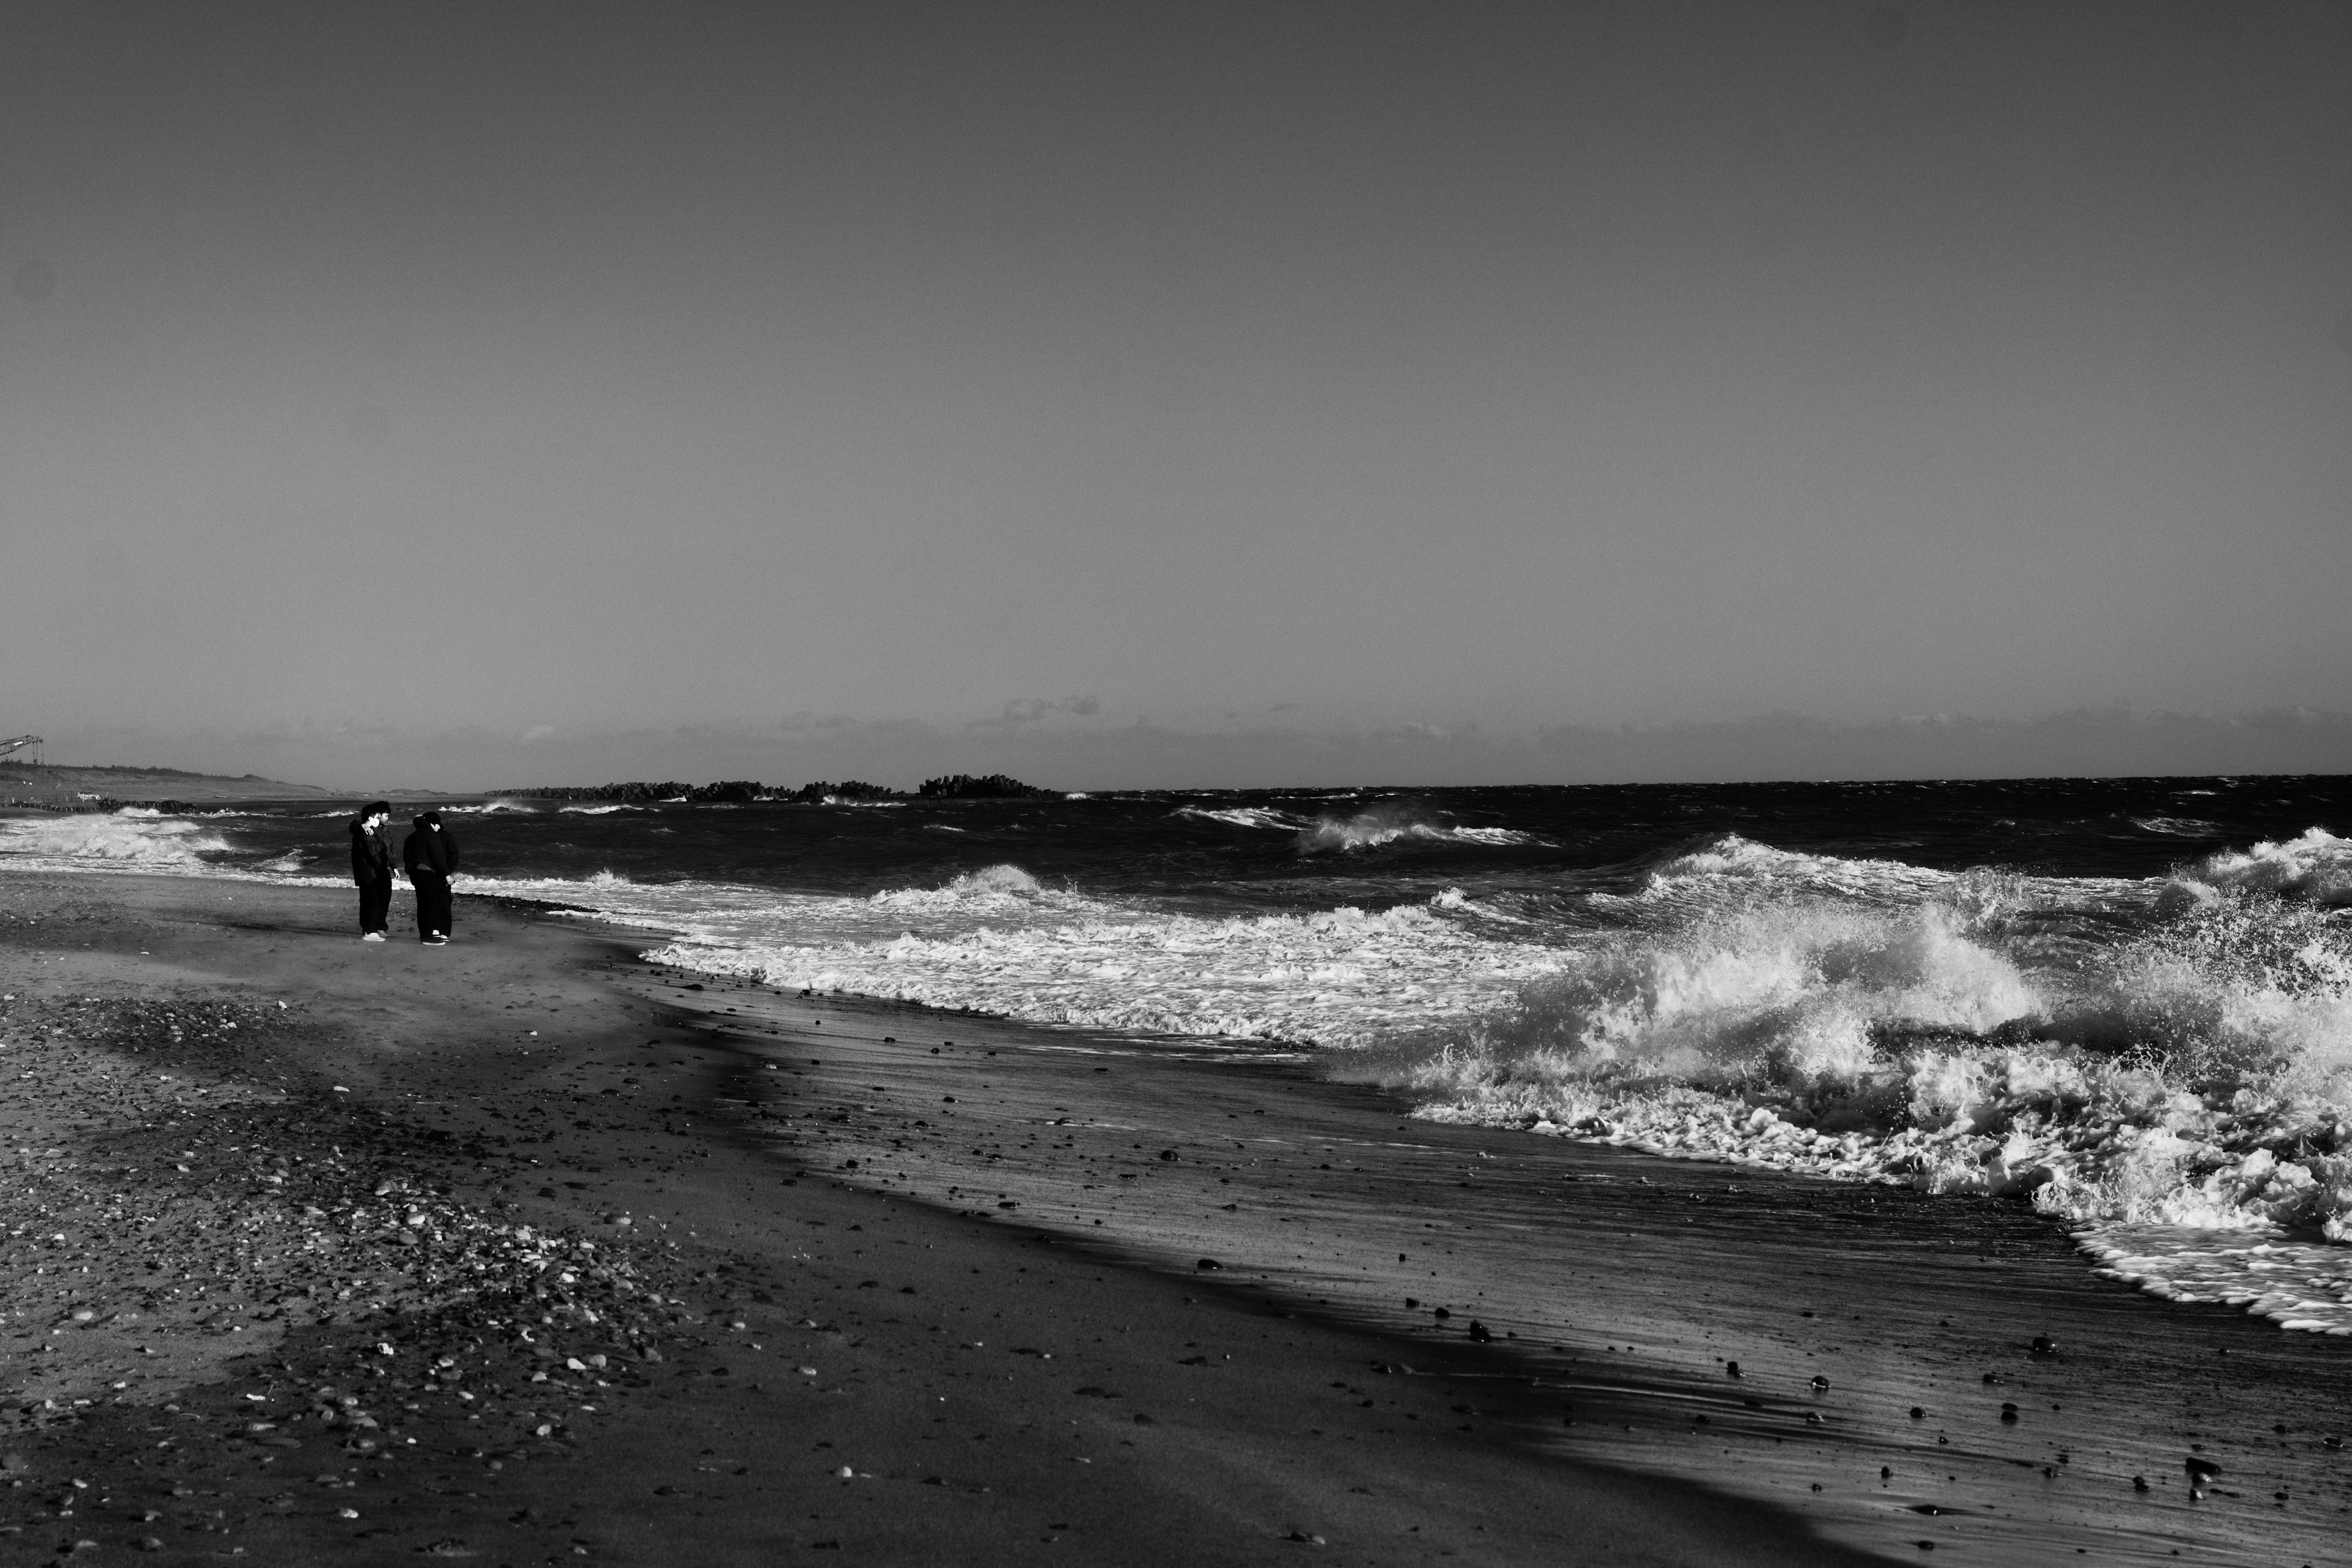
{"x":429,"y":855}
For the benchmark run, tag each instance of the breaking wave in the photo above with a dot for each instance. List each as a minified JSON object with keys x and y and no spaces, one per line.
{"x":1391,"y":821}
{"x":1387,"y":822}
{"x":2164,"y":1062}
{"x":135,"y":837}
{"x":1340,"y":977}
{"x":2316,"y":866}
{"x":1245,"y":816}
{"x":2155,"y":1061}
{"x":2175,"y":827}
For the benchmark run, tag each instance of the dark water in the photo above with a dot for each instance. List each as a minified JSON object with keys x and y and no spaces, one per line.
{"x":1162,"y":846}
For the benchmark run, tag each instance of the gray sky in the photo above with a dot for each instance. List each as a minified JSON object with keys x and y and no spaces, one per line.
{"x":451,"y":393}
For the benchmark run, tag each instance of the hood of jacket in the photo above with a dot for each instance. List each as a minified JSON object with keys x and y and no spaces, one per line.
{"x":429,"y":847}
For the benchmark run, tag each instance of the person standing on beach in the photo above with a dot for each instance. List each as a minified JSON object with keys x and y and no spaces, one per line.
{"x":429,"y":855}
{"x":372,"y":868}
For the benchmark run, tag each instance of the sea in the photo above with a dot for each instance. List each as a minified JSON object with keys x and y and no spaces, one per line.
{"x":2124,"y":1002}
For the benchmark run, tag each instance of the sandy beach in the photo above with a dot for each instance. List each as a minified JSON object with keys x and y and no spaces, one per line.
{"x":526,"y":1251}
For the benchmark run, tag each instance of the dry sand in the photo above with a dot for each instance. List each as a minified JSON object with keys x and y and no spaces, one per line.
{"x":347,"y":1281}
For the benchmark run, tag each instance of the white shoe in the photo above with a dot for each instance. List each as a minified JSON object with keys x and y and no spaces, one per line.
{"x":372,"y":936}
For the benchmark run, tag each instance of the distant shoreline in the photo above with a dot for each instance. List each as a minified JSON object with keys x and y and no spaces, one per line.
{"x":145,"y":785}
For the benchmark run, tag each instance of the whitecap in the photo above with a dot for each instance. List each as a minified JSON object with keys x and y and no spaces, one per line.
{"x":2316,"y":864}
{"x":1243,"y":816}
{"x":138,"y":837}
{"x":2175,"y":827}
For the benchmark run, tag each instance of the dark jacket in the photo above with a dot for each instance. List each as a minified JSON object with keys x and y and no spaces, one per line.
{"x":429,"y":848}
{"x":370,"y":856}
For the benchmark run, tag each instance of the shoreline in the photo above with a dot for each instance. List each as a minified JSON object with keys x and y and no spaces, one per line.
{"x":1098,"y":1410}
{"x":716,"y":1449}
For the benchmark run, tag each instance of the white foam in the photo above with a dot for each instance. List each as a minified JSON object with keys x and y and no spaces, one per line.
{"x":2316,"y":864}
{"x":1387,"y":823}
{"x":2296,"y":1284}
{"x":138,"y":836}
{"x":1340,"y":977}
{"x":1735,"y":865}
{"x":1853,"y":1019}
{"x":1870,"y":1021}
{"x":1247,"y":816}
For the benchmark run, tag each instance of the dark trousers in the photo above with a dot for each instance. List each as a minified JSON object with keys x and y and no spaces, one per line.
{"x":432,"y":902}
{"x":375,"y":906}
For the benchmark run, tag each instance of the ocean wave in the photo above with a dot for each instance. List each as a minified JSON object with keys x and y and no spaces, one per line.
{"x":722,"y":915}
{"x":485,"y":808}
{"x":2316,"y":866}
{"x":2296,"y":1284}
{"x":998,"y":885}
{"x":2114,"y":1052}
{"x":2175,"y":827}
{"x":152,"y":811}
{"x":1489,"y":836}
{"x":2193,"y":1075}
{"x":594,"y":810}
{"x":1245,"y":816}
{"x":1340,"y":977}
{"x":138,"y":836}
{"x":1387,"y":823}
{"x":1708,"y":871}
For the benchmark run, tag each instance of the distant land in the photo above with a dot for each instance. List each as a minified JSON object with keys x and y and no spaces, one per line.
{"x":745,"y":792}
{"x":135,"y":783}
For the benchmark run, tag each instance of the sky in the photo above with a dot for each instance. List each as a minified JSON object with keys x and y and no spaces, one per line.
{"x":1177,"y":394}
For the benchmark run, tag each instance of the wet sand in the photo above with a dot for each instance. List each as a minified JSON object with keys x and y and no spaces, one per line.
{"x":1033,"y":1291}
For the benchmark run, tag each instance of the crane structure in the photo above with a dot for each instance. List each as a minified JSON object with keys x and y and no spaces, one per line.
{"x":18,"y":743}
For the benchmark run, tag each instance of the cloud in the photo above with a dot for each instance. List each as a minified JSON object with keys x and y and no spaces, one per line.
{"x":796,"y":723}
{"x":1024,"y":710}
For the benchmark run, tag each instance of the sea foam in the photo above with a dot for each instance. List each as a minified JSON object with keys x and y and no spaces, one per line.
{"x":135,"y":837}
{"x":2172,"y":1055}
{"x":1339,"y":977}
{"x":2316,"y":866}
{"x":1970,"y":1034}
